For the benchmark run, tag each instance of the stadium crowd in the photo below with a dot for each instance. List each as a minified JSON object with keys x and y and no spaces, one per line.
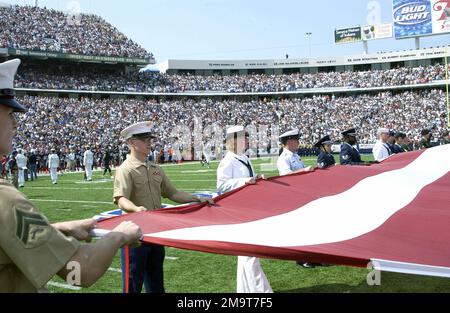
{"x":59,"y":123}
{"x":34,"y":28}
{"x":41,"y":78}
{"x":292,"y":82}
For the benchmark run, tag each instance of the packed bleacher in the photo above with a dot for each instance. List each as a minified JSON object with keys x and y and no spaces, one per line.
{"x":34,"y":28}
{"x":50,"y":78}
{"x":61,"y":123}
{"x":89,"y":81}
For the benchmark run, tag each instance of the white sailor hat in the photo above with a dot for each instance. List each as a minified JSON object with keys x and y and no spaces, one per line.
{"x":8,"y":70}
{"x":235,"y":129}
{"x":292,"y":134}
{"x":383,"y":131}
{"x":138,"y":130}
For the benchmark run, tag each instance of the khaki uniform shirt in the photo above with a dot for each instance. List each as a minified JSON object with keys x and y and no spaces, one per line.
{"x":142,"y":183}
{"x":31,"y":251}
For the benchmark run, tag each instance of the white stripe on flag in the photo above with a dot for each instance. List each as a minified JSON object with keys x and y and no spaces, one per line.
{"x":410,"y":268}
{"x":336,"y":218}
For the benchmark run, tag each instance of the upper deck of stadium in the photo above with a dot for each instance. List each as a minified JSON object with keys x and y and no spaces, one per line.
{"x":352,"y":63}
{"x":416,"y":69}
{"x":30,"y":31}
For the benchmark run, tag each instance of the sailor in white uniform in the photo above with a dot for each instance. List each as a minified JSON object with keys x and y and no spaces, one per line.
{"x":207,"y":153}
{"x":53,"y":164}
{"x":22,"y":161}
{"x":381,"y":149}
{"x":88,"y":161}
{"x":234,"y":171}
{"x":289,"y":161}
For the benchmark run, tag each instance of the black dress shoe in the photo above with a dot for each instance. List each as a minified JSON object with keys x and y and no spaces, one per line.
{"x":306,"y":264}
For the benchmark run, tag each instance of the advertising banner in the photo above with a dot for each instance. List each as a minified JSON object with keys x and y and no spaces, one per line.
{"x":346,"y":35}
{"x":371,"y":32}
{"x":77,"y":57}
{"x":413,"y":18}
{"x":441,"y":16}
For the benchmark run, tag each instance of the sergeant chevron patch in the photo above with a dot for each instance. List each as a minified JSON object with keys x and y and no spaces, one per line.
{"x":32,"y":229}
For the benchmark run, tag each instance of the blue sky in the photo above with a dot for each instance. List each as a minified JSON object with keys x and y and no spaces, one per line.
{"x":242,"y":29}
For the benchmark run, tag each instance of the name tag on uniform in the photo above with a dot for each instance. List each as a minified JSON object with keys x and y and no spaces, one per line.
{"x":157,"y":173}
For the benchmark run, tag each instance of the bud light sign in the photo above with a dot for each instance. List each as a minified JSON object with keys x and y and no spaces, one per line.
{"x":412,"y":18}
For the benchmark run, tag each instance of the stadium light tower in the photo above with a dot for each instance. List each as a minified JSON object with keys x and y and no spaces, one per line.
{"x":309,"y":42}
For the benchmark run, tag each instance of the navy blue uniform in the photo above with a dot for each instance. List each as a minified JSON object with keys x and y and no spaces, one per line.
{"x":391,"y":148}
{"x":398,"y":149}
{"x":349,"y":155}
{"x":145,"y":268}
{"x":325,"y":160}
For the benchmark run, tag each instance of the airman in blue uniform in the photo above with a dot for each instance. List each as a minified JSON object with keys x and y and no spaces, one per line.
{"x":399,"y":143}
{"x":325,"y":158}
{"x":349,"y":154}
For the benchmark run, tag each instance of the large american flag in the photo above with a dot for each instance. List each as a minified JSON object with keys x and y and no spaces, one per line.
{"x":396,"y":213}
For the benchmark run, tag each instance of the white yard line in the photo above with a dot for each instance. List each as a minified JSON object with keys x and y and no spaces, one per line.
{"x":193,"y":180}
{"x":53,"y":188}
{"x":63,"y":286}
{"x":70,"y":201}
{"x":116,"y":270}
{"x":67,"y":188}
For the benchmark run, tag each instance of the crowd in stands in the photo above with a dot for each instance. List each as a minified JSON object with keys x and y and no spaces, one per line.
{"x":89,"y":81}
{"x":293,"y":82}
{"x":66,"y":124}
{"x":152,"y":82}
{"x":34,"y":28}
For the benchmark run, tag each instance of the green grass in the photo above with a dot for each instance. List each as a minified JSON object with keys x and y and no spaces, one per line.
{"x":203,"y":272}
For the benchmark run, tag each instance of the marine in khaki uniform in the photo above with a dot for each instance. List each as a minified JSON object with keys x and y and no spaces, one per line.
{"x":31,"y":250}
{"x":138,"y":186}
{"x":143,"y":183}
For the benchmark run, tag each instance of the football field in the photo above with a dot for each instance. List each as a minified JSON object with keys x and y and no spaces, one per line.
{"x":189,"y":271}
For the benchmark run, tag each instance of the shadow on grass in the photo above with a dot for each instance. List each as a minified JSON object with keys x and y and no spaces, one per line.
{"x":390,"y":282}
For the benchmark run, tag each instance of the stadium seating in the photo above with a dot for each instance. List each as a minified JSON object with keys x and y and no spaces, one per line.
{"x":34,"y":28}
{"x":60,"y":123}
{"x":151,"y":82}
